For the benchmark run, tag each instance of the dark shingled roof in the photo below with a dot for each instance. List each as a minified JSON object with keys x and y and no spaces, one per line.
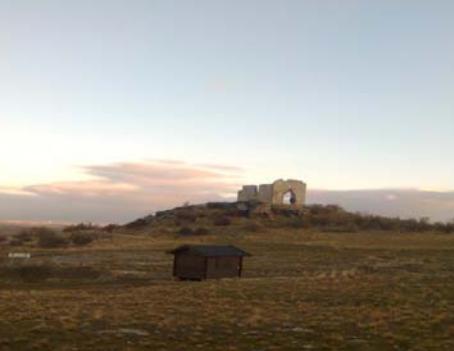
{"x":210,"y":250}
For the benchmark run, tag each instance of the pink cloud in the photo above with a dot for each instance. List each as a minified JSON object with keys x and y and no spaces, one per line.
{"x":121,"y":192}
{"x":83,"y":188}
{"x":124,"y":191}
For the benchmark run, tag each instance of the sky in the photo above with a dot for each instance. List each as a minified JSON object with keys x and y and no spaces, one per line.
{"x":187,"y":100}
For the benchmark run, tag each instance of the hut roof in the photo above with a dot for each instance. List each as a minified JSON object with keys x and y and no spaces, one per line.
{"x":210,"y":250}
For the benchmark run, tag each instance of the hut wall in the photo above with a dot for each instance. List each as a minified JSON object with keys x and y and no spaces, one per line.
{"x":223,"y":267}
{"x":189,"y":266}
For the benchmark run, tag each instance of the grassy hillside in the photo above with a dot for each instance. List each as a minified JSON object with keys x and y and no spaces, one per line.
{"x":303,"y":289}
{"x":7,"y":230}
{"x":330,"y":218}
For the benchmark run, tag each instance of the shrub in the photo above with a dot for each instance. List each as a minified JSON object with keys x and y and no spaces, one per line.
{"x":47,"y":238}
{"x":298,"y":223}
{"x":186,"y":216}
{"x":43,"y":271}
{"x":221,"y":205}
{"x":252,"y":227}
{"x":137,"y":224}
{"x":222,"y":221}
{"x":34,"y":272}
{"x":25,"y":235}
{"x":110,"y":228}
{"x":80,"y":227}
{"x":16,"y":242}
{"x":347,"y":228}
{"x":163,"y":214}
{"x":78,"y":272}
{"x":81,"y":238}
{"x":284,"y":211}
{"x":447,"y":228}
{"x":201,"y":231}
{"x":185,"y":231}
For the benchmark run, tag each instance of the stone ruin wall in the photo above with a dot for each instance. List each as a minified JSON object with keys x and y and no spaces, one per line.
{"x":248,"y":193}
{"x":265,"y":193}
{"x":274,"y":193}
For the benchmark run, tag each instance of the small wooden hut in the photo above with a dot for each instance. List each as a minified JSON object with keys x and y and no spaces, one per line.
{"x":198,"y":262}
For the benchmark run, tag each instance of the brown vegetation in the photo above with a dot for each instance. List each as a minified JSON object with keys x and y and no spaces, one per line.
{"x":80,"y":227}
{"x":302,"y":289}
{"x":320,"y":279}
{"x":330,"y":218}
{"x":222,"y":221}
{"x":48,"y":238}
{"x":81,"y":238}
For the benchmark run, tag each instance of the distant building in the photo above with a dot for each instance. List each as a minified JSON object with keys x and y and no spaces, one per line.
{"x":281,"y":192}
{"x":198,"y":262}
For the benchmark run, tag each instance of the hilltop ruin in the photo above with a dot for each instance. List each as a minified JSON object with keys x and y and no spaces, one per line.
{"x":280,"y":192}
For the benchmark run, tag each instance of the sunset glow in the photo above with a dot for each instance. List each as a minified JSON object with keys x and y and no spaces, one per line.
{"x":345,"y":96}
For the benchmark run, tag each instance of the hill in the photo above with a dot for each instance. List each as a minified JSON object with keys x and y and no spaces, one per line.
{"x":305,"y":287}
{"x":225,"y":217}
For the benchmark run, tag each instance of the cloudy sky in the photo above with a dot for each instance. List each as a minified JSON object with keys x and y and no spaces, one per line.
{"x":111,"y":109}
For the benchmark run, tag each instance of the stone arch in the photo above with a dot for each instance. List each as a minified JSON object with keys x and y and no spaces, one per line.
{"x":289,"y":197}
{"x":282,"y":188}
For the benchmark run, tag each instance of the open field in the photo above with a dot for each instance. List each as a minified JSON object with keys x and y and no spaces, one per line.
{"x":301,"y":290}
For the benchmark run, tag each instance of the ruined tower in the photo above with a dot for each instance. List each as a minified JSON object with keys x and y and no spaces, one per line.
{"x":280,"y":192}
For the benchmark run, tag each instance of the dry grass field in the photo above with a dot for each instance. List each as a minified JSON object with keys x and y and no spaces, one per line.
{"x":301,"y":290}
